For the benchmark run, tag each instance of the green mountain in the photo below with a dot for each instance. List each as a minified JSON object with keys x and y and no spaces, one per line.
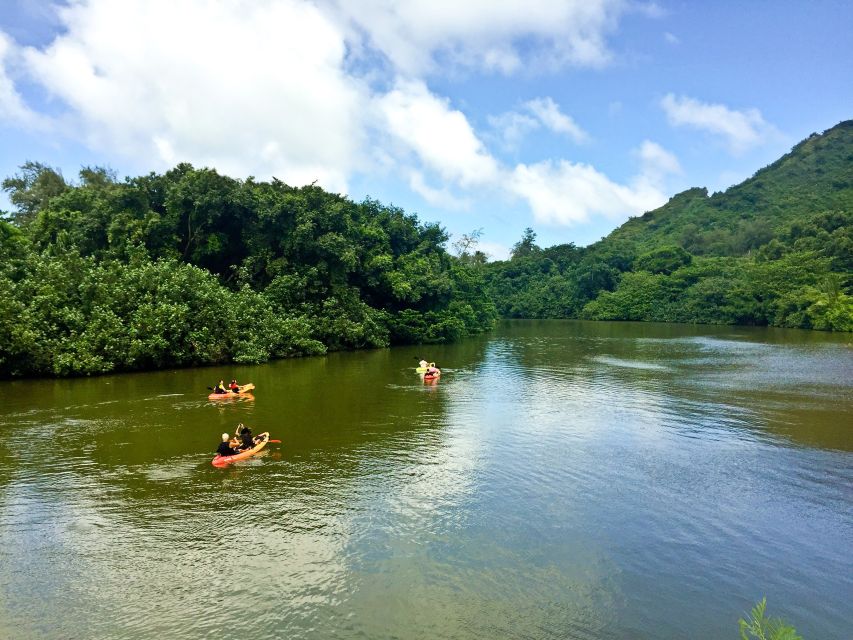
{"x":776,"y":249}
{"x":816,"y":176}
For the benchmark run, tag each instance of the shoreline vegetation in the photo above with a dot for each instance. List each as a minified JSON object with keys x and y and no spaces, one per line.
{"x":192,"y":268}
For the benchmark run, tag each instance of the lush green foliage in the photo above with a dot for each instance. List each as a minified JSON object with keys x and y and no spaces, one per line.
{"x":760,"y":627}
{"x":191,"y":267}
{"x":816,"y":176}
{"x":775,"y":250}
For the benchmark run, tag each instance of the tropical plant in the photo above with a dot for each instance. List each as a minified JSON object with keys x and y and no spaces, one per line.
{"x":759,"y":627}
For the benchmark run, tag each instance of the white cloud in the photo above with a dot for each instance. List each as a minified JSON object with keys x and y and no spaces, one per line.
{"x":441,"y":137}
{"x":741,"y":130}
{"x":250,"y":89}
{"x":657,"y":162}
{"x":671,"y":38}
{"x":287,"y":88}
{"x":550,"y":115}
{"x":566,"y":193}
{"x":422,"y":36}
{"x":12,"y":107}
{"x":513,"y":126}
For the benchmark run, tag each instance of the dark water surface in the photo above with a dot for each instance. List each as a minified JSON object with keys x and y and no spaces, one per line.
{"x":561,"y":480}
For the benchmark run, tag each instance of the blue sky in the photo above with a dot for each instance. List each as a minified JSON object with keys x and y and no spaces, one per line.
{"x":568,"y":116}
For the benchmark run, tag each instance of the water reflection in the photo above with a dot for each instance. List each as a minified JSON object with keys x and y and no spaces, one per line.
{"x":564,"y":479}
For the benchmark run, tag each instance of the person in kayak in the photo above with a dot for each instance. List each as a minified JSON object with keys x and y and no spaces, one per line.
{"x":423,"y":364}
{"x":220,"y":388}
{"x":238,"y":432}
{"x":235,"y":388}
{"x":225,"y":448}
{"x":244,"y":434}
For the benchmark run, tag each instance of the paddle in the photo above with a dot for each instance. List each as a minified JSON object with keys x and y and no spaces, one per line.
{"x":276,"y":441}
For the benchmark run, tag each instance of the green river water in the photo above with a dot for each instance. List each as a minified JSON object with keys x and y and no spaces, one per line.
{"x":562,"y":480}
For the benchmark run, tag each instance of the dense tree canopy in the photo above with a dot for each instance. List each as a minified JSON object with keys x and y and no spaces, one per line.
{"x":191,"y":267}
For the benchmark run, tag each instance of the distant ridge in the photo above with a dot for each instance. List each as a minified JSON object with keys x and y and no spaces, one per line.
{"x":817,"y":175}
{"x":776,"y":249}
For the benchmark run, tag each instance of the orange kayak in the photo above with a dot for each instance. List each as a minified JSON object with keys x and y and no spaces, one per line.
{"x":221,"y":461}
{"x":245,"y":390}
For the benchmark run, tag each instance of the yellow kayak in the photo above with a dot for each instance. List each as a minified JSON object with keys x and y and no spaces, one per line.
{"x":245,"y":390}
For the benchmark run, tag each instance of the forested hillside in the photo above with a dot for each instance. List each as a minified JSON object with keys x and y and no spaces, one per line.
{"x":776,"y":250}
{"x":191,"y":267}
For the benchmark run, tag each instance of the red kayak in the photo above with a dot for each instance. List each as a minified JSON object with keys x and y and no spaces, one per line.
{"x":221,"y":461}
{"x":429,"y":377}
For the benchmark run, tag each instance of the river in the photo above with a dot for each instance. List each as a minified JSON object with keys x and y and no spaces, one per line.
{"x":562,"y":480}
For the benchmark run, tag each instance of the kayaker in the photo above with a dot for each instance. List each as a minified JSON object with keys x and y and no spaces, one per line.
{"x":245,"y":435}
{"x":220,"y":388}
{"x":235,"y":388}
{"x":423,"y":364}
{"x":225,"y":448}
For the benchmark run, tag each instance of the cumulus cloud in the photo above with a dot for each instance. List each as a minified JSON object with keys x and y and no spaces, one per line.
{"x":440,"y":137}
{"x":741,"y":130}
{"x":657,"y":162}
{"x":13,"y":110}
{"x":566,"y":193}
{"x":547,"y":111}
{"x":421,"y":36}
{"x":256,"y":88}
{"x":292,"y":89}
{"x":274,"y":87}
{"x":514,"y":126}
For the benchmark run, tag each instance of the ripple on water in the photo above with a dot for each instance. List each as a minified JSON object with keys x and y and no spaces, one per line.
{"x":567,"y":484}
{"x":631,"y":364}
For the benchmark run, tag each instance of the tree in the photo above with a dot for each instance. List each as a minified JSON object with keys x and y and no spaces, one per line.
{"x":525,"y":246}
{"x":32,"y":188}
{"x":466,"y":248}
{"x":664,"y":260}
{"x":97,"y":177}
